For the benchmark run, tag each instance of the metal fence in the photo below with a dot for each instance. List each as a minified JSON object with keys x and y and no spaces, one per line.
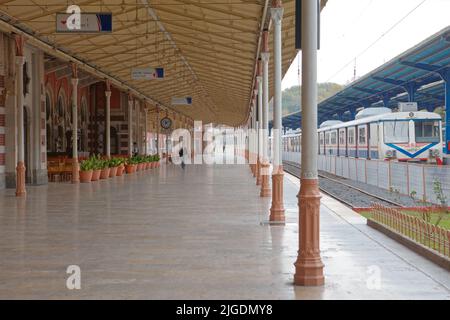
{"x":406,"y":178}
{"x":414,"y":228}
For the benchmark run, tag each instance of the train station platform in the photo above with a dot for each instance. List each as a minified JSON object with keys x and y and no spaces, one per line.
{"x":193,"y":234}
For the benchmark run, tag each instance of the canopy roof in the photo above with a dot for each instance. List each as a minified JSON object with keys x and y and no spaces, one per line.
{"x":208,"y":48}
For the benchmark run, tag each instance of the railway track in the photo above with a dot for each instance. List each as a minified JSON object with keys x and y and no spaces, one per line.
{"x":350,"y":195}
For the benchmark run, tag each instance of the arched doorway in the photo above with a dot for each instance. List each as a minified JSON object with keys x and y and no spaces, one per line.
{"x":114,"y":137}
{"x":83,"y":126}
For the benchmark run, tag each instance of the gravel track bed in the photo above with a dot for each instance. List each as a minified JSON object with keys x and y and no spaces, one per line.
{"x":352,"y":196}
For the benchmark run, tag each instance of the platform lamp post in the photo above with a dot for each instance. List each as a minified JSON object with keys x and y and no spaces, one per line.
{"x":20,"y":168}
{"x":309,"y":266}
{"x":108,"y":118}
{"x":75,"y":164}
{"x":277,"y":209}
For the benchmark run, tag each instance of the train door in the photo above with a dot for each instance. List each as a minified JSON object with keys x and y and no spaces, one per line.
{"x":321,"y":143}
{"x":374,"y":141}
{"x":342,"y":143}
{"x":333,"y":142}
{"x":351,"y":142}
{"x":362,"y":150}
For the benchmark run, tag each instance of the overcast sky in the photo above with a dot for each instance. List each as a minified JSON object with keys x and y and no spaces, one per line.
{"x":349,"y":27}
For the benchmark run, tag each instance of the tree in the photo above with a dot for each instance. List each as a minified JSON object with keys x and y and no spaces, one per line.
{"x":291,"y":99}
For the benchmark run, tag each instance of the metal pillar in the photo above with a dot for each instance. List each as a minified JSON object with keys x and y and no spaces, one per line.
{"x":158,"y":126}
{"x":20,"y":169}
{"x":411,"y":88}
{"x":265,"y":166}
{"x":277,"y":209}
{"x":352,"y":113}
{"x":446,"y":77}
{"x":145,"y":131}
{"x":108,"y":119}
{"x":309,"y":266}
{"x":260,"y":123}
{"x":130,"y":125}
{"x":75,"y":165}
{"x":137,"y":109}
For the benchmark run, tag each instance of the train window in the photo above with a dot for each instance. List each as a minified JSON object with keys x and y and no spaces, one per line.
{"x":351,"y":136}
{"x":327,"y":138}
{"x":362,"y":135}
{"x":321,"y":139}
{"x":334,"y":138}
{"x":342,"y":137}
{"x":396,"y":131}
{"x":427,"y":131}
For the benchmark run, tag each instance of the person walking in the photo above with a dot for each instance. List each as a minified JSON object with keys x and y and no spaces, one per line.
{"x":181,"y":154}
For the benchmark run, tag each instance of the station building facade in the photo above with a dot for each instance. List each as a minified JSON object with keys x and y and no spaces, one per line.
{"x":47,"y":115}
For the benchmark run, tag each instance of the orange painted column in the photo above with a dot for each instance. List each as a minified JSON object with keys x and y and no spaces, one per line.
{"x":20,"y":168}
{"x":309,"y":266}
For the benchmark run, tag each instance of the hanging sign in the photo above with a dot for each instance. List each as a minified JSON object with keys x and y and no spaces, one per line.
{"x":182,"y":101}
{"x":147,"y":73}
{"x":88,"y":22}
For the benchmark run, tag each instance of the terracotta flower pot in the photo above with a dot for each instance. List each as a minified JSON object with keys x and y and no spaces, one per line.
{"x":104,"y":174}
{"x":120,"y":170}
{"x":140,"y":166}
{"x":148,"y":165}
{"x":96,"y":175}
{"x":86,"y":176}
{"x":113,"y":172}
{"x":129,"y":168}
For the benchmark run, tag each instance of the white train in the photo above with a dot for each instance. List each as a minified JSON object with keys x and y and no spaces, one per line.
{"x":378,"y":133}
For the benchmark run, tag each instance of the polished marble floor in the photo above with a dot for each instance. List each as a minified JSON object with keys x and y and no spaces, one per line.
{"x":192,"y":234}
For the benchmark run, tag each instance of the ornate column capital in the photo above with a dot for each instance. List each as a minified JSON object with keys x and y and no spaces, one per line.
{"x":265,"y":56}
{"x":20,"y":43}
{"x":276,"y":14}
{"x":20,"y":60}
{"x":108,"y":94}
{"x":74,"y":68}
{"x":108,"y":85}
{"x":74,"y":82}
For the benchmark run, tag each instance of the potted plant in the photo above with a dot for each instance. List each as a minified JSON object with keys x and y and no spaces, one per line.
{"x":96,"y":167}
{"x":157,"y":160}
{"x":104,"y":169}
{"x":130,"y":165}
{"x":86,"y":170}
{"x":121,"y":167}
{"x":114,"y":164}
{"x":136,"y":161}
